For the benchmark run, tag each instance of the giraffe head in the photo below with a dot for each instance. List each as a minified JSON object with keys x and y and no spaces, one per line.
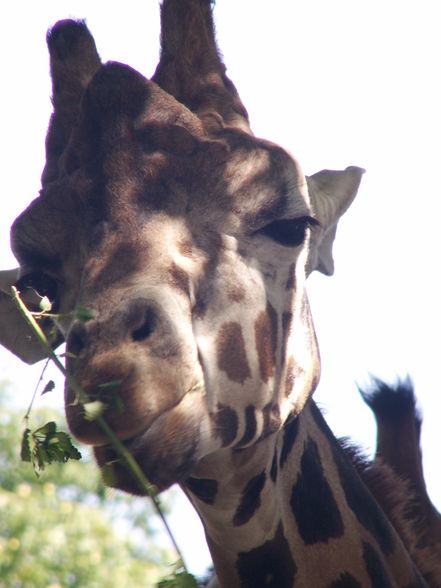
{"x":189,"y":240}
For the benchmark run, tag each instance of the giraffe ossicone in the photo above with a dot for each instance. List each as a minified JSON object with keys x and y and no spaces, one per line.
{"x":190,"y":240}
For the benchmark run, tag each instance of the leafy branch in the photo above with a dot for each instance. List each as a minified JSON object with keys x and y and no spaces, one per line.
{"x":46,"y":444}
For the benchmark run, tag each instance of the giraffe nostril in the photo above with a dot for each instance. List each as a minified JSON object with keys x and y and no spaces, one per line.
{"x":147,"y":327}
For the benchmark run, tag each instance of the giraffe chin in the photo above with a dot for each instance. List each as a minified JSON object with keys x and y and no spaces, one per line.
{"x":164,"y":459}
{"x":153,"y":468}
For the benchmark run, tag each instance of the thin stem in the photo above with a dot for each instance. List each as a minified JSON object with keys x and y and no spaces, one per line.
{"x":82,"y":397}
{"x":28,"y":412}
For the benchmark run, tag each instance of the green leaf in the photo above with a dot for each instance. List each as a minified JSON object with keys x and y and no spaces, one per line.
{"x":112,"y":384}
{"x":47,"y":429}
{"x":25,"y":452}
{"x":49,"y":387}
{"x":117,"y":403}
{"x":180,"y":578}
{"x":84,"y":314}
{"x":47,"y":445}
{"x":45,"y":304}
{"x":62,"y":442}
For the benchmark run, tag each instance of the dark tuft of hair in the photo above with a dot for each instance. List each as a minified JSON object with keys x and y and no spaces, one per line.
{"x":391,"y":402}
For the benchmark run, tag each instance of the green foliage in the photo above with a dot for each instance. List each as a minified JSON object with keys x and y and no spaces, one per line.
{"x":84,"y":314}
{"x":179,"y":578}
{"x":47,"y":541}
{"x":46,"y":445}
{"x":51,"y":532}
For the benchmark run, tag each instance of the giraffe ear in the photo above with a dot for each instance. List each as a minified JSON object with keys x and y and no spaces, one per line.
{"x":331,"y":193}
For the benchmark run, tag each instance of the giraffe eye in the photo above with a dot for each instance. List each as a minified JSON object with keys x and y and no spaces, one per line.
{"x":43,"y":284}
{"x":290,"y":232}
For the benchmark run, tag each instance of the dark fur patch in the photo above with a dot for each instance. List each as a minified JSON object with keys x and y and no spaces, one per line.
{"x":226,"y":424}
{"x":286,"y":329}
{"x":291,"y":281}
{"x":363,"y":504}
{"x":273,"y":470}
{"x":346,"y":580}
{"x":265,"y":330}
{"x":179,"y":278}
{"x":269,"y":566}
{"x":235,"y":292}
{"x":312,"y":502}
{"x":290,"y":431}
{"x":390,"y":403}
{"x":185,"y":248}
{"x":420,"y":583}
{"x":203,"y":488}
{"x":250,"y":500}
{"x":231,"y":353}
{"x":250,"y":426}
{"x":375,"y":568}
{"x":357,"y":495}
{"x":271,"y":419}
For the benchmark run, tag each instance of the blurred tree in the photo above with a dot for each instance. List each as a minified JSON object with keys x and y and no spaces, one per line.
{"x":51,"y":532}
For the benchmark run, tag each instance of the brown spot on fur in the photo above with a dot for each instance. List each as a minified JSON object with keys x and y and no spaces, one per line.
{"x":236,"y":293}
{"x":271,"y":419}
{"x":185,"y":248}
{"x":265,"y":330}
{"x":203,"y":488}
{"x":291,"y":281}
{"x":292,"y":372}
{"x":231,"y":354}
{"x":225,"y":424}
{"x":270,"y":565}
{"x":180,"y":278}
{"x":250,"y":500}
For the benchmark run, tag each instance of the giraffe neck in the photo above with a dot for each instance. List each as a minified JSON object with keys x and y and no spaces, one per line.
{"x":291,"y":510}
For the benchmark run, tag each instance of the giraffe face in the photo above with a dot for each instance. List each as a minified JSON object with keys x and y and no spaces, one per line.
{"x":191,"y":254}
{"x":189,"y":240}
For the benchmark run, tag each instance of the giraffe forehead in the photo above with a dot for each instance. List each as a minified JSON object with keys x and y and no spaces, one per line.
{"x":129,"y":157}
{"x":149,"y":196}
{"x":140,"y":151}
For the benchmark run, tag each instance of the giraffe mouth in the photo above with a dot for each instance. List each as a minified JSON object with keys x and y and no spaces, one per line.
{"x":166,"y":451}
{"x":157,"y":472}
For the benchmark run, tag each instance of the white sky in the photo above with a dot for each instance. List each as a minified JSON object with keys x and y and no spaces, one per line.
{"x":337,"y":83}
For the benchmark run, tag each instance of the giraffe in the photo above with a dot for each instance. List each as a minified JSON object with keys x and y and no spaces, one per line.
{"x":191,"y":240}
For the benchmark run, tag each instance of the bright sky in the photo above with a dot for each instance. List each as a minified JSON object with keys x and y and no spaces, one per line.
{"x":337,"y":83}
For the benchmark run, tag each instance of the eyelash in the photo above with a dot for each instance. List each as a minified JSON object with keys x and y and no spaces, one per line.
{"x":290,"y":232}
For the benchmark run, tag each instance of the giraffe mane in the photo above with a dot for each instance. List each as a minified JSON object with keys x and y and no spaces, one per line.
{"x":401,"y":506}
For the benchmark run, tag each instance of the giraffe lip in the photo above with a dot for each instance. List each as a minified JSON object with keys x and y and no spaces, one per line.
{"x":127,"y":438}
{"x":164,"y":460}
